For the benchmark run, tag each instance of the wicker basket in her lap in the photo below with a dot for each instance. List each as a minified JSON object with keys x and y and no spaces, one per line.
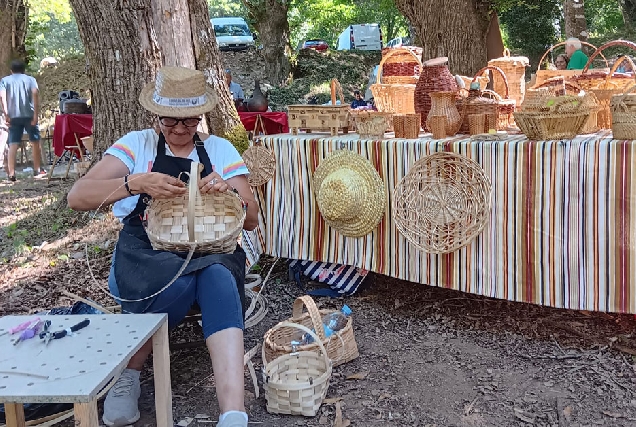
{"x":341,"y":346}
{"x":205,"y":223}
{"x":296,"y":383}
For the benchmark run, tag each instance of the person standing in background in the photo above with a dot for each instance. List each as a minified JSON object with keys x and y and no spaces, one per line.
{"x":20,"y":105}
{"x":235,"y":88}
{"x":573,"y":49}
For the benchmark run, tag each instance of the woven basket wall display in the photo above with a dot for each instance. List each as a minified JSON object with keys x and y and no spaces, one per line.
{"x":297,"y":383}
{"x":442,"y":203}
{"x":341,"y":347}
{"x":207,"y":223}
{"x":261,"y":163}
{"x":435,"y":77}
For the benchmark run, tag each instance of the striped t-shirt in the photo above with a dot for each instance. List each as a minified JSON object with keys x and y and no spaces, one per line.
{"x":137,"y":150}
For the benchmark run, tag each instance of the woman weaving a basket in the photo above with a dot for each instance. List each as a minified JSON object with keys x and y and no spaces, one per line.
{"x":146,"y":165}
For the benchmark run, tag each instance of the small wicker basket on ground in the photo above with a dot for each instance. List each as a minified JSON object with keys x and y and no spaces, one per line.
{"x":624,"y":115}
{"x":341,"y":346}
{"x":207,"y":223}
{"x":442,"y":203}
{"x":296,"y":383}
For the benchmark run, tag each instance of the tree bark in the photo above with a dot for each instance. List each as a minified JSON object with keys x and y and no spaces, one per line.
{"x":122,"y":56}
{"x":575,"y":22}
{"x":628,"y":7}
{"x":126,"y":41}
{"x":270,"y":17}
{"x":14,"y":17}
{"x":462,"y":39}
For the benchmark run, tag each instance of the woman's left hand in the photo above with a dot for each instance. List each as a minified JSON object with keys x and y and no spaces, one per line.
{"x":212,"y":183}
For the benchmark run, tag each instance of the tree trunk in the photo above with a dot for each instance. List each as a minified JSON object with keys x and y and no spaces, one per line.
{"x":122,"y":56}
{"x":270,"y":17}
{"x":462,"y":39}
{"x":628,"y":7}
{"x":575,"y":22}
{"x":14,"y":16}
{"x":224,"y":120}
{"x":122,"y":42}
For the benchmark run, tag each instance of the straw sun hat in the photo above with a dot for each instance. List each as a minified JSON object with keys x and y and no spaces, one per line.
{"x":178,"y":92}
{"x":350,"y":193}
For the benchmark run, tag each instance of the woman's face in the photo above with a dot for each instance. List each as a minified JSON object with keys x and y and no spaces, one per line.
{"x":560,"y":63}
{"x":179,"y":131}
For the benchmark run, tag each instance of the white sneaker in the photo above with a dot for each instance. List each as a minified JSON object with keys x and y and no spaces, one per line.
{"x":233,"y":419}
{"x":121,"y":404}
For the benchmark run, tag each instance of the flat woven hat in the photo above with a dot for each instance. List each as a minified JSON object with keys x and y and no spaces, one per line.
{"x":178,"y":92}
{"x":350,"y":193}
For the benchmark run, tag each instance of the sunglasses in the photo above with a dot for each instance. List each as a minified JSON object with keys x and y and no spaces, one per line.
{"x":189,"y":122}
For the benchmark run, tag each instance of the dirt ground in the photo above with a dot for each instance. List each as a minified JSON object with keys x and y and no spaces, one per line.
{"x":428,"y":356}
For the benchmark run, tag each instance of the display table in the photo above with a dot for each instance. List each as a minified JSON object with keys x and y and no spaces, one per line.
{"x":69,"y":129}
{"x":274,"y":122}
{"x":561,"y":233}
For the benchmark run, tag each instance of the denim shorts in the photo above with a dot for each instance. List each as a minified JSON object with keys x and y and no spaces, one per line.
{"x":17,"y":127}
{"x":213,"y":289}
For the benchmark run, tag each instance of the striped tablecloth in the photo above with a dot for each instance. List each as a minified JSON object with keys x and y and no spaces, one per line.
{"x":561,"y":232}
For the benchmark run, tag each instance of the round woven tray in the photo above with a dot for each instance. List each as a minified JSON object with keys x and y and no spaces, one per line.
{"x":261,"y":163}
{"x":207,"y":223}
{"x":442,"y":203}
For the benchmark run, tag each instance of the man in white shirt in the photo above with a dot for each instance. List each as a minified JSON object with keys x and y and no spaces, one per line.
{"x":235,"y":88}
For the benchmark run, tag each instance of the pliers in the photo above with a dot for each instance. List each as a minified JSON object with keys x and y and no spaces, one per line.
{"x":47,"y":335}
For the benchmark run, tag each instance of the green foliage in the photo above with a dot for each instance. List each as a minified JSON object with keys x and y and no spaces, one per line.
{"x":52,"y":31}
{"x":529,"y":27}
{"x":315,"y":71}
{"x":220,"y":8}
{"x":603,"y":17}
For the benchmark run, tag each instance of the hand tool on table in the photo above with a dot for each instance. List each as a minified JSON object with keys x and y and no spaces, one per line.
{"x":47,"y":335}
{"x":21,"y":327}
{"x":29,"y":332}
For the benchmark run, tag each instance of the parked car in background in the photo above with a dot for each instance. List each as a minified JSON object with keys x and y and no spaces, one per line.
{"x":399,"y":42}
{"x":361,"y":37}
{"x":319,"y":45}
{"x":232,"y":33}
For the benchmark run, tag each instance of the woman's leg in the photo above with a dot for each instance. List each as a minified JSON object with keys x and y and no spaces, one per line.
{"x":222,"y":316}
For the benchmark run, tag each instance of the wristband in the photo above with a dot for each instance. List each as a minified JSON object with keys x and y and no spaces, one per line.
{"x":126,"y":185}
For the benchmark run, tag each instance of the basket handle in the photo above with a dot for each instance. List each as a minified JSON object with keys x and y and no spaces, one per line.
{"x":560,"y":79}
{"x":398,"y":51}
{"x":620,"y":100}
{"x":335,"y":85}
{"x":193,"y":191}
{"x":615,"y":67}
{"x":624,"y":43}
{"x":314,"y":313}
{"x":497,"y":69}
{"x":506,"y":52}
{"x":302,"y":328}
{"x":492,"y":93}
{"x":563,"y":44}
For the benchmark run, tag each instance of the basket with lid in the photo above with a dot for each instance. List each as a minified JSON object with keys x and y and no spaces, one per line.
{"x":514,"y":67}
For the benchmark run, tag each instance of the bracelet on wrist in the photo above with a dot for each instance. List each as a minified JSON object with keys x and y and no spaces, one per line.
{"x":126,"y":185}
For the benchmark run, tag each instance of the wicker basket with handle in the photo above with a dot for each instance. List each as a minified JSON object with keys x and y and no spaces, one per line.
{"x":394,"y":98}
{"x":341,"y":346}
{"x":543,"y":75}
{"x":514,"y":67}
{"x":624,"y":115}
{"x":297,"y":383}
{"x":561,"y":117}
{"x":206,"y":223}
{"x":399,"y":66}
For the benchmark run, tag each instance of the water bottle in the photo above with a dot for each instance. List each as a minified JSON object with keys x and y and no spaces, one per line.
{"x":332,"y":322}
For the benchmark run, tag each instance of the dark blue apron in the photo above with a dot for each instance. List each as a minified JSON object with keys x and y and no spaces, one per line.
{"x":141,"y":271}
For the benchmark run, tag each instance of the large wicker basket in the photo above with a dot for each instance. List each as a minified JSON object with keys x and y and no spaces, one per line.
{"x":624,"y":115}
{"x":488,"y":102}
{"x":341,"y":346}
{"x":297,"y":383}
{"x":400,"y":66}
{"x":207,"y":223}
{"x":558,"y":118}
{"x":442,"y":203}
{"x":514,"y":67}
{"x":394,"y":98}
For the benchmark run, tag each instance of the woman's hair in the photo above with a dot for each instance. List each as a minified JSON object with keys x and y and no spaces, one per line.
{"x":574,"y":42}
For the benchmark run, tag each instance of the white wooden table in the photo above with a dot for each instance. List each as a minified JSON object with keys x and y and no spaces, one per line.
{"x":75,"y":368}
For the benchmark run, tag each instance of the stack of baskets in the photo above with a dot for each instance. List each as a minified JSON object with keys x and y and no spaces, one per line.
{"x":514,"y":67}
{"x":547,"y":117}
{"x":624,"y":115}
{"x":398,"y":73}
{"x":296,"y":378}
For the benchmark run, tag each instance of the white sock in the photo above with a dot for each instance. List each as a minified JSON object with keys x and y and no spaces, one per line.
{"x":225,"y":414}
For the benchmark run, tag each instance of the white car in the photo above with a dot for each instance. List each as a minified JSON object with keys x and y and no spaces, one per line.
{"x":399,"y":42}
{"x":232,"y":33}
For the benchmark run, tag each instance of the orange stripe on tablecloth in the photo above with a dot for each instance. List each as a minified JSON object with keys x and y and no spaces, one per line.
{"x":595,"y":228}
{"x":552,"y":224}
{"x":624,"y":230}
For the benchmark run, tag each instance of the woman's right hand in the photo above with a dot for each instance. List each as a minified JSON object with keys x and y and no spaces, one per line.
{"x":157,"y":185}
